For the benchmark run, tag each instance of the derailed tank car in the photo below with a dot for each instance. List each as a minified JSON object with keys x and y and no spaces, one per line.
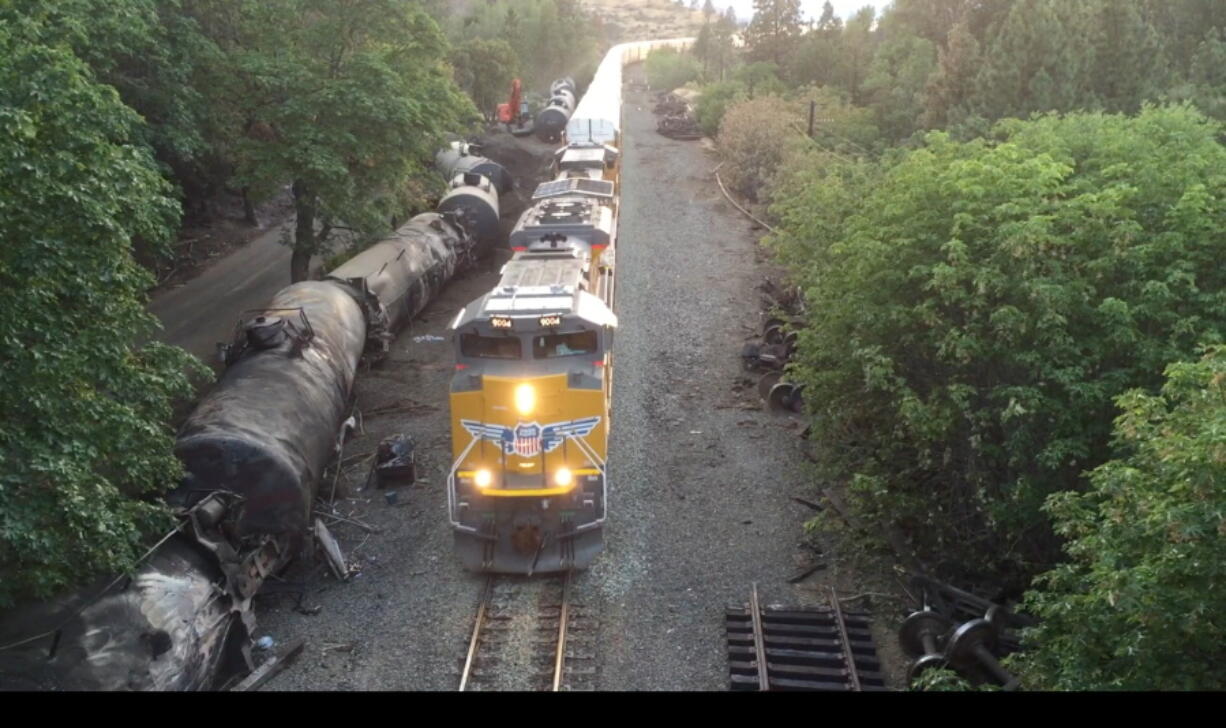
{"x":462,"y":158}
{"x":399,"y":275}
{"x":253,"y":451}
{"x":475,"y":199}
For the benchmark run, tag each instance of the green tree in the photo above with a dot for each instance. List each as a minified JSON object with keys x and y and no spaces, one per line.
{"x":714,"y":102}
{"x":484,"y":69}
{"x":895,"y":86}
{"x":818,"y":53}
{"x":951,"y":85}
{"x":1037,"y":60}
{"x":1126,"y":64}
{"x":857,"y":49}
{"x":772,"y":33}
{"x":667,"y":69}
{"x":760,"y":78}
{"x":84,"y":444}
{"x":1206,"y":83}
{"x":351,"y":101}
{"x":1138,"y":605}
{"x":975,"y":308}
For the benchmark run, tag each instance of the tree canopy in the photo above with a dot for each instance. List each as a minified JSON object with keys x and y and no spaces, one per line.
{"x":84,"y":443}
{"x":1138,"y":604}
{"x":976,"y":307}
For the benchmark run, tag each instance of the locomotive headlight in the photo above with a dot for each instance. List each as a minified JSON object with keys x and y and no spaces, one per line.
{"x":525,"y":399}
{"x":563,"y":477}
{"x":483,"y":478}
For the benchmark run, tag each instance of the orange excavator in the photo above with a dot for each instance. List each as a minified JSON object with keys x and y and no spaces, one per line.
{"x":514,"y":113}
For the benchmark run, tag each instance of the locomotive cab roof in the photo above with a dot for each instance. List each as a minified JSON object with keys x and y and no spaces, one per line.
{"x":537,"y":283}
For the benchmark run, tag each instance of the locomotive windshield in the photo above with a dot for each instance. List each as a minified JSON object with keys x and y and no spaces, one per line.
{"x":490,"y":347}
{"x":555,"y":345}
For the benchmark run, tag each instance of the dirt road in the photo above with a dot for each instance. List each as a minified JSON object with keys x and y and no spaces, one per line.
{"x":202,"y":312}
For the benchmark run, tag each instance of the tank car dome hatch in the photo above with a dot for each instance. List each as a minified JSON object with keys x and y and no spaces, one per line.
{"x":477,"y":207}
{"x":265,"y":332}
{"x":566,"y":83}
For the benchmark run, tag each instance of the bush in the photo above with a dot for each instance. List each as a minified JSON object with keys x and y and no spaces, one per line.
{"x":975,"y":308}
{"x":667,"y":69}
{"x":713,"y":103}
{"x":1139,"y":605}
{"x":755,"y":138}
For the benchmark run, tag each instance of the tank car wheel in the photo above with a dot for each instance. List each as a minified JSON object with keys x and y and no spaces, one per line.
{"x":780,"y":396}
{"x":766,"y":382}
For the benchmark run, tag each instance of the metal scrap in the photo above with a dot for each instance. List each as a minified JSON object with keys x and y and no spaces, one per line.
{"x":332,"y":550}
{"x":271,"y":668}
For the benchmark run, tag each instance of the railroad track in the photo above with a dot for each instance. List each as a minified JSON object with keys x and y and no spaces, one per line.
{"x":801,"y":649}
{"x":528,"y":634}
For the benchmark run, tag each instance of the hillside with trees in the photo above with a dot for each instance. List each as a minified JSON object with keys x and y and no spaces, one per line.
{"x":1008,"y":228}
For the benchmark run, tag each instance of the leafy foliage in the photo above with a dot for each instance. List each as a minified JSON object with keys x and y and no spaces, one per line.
{"x":714,"y":102}
{"x":484,"y":69}
{"x":772,"y":33}
{"x":667,"y":69}
{"x":1138,"y":605}
{"x":84,"y":446}
{"x":976,"y":307}
{"x":754,"y":138}
{"x":551,"y":38}
{"x":352,"y":100}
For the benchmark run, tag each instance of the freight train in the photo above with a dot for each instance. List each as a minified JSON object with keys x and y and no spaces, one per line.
{"x":528,"y":488}
{"x":253,"y":452}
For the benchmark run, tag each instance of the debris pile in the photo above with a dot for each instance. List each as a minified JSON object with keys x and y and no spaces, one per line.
{"x":959,"y":630}
{"x":771,"y":353}
{"x":677,"y":118}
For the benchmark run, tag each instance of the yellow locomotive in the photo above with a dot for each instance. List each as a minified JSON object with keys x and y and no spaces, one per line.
{"x":528,"y":488}
{"x":530,"y":395}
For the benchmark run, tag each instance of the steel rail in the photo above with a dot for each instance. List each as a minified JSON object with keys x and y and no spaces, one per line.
{"x":759,"y":643}
{"x":473,"y":643}
{"x":848,"y":656}
{"x":563,"y":617}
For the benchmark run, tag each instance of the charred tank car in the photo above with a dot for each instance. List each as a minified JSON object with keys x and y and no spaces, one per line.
{"x":253,"y":451}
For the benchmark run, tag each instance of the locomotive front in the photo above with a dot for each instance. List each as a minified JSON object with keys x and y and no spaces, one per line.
{"x":530,"y":419}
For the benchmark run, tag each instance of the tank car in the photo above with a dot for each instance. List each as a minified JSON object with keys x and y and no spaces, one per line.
{"x":460,"y":157}
{"x":269,"y":427}
{"x":474,"y":199}
{"x":551,"y":120}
